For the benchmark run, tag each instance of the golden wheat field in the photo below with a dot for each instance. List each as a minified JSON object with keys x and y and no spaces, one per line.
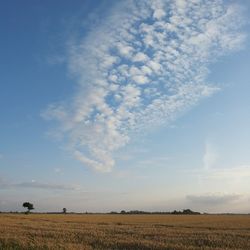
{"x":92,"y":231}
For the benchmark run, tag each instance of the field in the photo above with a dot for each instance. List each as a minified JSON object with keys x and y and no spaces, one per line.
{"x":43,"y":231}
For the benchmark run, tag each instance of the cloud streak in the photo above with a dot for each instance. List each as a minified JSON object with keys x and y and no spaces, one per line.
{"x":37,"y":185}
{"x":210,"y":156}
{"x":142,"y":67}
{"x":214,"y":199}
{"x":231,"y":174}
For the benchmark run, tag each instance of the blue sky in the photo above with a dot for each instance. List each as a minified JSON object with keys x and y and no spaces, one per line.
{"x":125,"y":105}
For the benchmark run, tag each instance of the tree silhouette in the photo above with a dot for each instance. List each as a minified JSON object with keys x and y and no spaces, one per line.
{"x":64,"y":210}
{"x":29,"y":206}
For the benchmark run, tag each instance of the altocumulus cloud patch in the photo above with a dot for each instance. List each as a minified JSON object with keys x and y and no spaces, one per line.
{"x":146,"y":63}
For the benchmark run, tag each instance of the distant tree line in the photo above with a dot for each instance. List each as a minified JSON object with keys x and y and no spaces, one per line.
{"x":30,"y":207}
{"x":184,"y":211}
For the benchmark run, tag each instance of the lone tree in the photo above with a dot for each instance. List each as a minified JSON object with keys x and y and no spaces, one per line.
{"x":64,"y":210}
{"x":29,"y":206}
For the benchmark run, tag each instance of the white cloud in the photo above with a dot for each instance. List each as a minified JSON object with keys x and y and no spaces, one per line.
{"x":140,"y":79}
{"x":125,"y":50}
{"x":158,"y":9}
{"x":155,"y":66}
{"x":143,"y":66}
{"x":140,"y":57}
{"x":146,"y":70}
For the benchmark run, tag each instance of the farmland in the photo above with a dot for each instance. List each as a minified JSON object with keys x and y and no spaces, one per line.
{"x":105,"y":231}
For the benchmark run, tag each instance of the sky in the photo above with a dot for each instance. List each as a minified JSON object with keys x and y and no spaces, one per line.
{"x":112,"y":105}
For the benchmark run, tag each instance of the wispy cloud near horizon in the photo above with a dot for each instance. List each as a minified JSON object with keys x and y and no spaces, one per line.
{"x":38,"y":185}
{"x":142,"y":67}
{"x":214,"y":198}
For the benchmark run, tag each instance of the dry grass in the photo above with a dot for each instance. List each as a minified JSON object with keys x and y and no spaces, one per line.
{"x":40,"y":231}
